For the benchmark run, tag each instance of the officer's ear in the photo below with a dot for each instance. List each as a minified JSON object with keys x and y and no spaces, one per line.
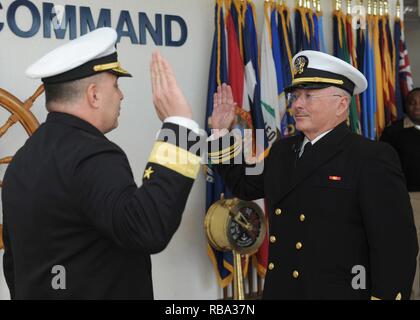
{"x":344,"y":105}
{"x":92,"y":95}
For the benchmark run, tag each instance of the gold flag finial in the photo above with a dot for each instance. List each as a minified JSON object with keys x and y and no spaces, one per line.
{"x":349,"y":7}
{"x":375,"y":7}
{"x":386,"y":7}
{"x":369,"y":7}
{"x":398,"y":9}
{"x":299,"y":3}
{"x":318,"y":5}
{"x":381,"y":8}
{"x":338,"y":5}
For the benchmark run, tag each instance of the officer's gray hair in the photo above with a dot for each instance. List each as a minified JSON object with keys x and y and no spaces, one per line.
{"x":344,"y":93}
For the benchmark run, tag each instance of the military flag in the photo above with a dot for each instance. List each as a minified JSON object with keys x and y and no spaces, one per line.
{"x":269,"y":91}
{"x":320,"y":16}
{"x":341,"y":44}
{"x":288,"y":126}
{"x":253,"y":88}
{"x":404,"y":78}
{"x":218,"y":74}
{"x":368,"y":97}
{"x":302,"y":33}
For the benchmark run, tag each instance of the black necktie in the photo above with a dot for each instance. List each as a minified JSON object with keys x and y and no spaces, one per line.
{"x":306,"y":150}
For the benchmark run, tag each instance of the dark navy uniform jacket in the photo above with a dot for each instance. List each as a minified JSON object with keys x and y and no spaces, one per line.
{"x":69,"y":199}
{"x":337,"y":214}
{"x":405,"y":138}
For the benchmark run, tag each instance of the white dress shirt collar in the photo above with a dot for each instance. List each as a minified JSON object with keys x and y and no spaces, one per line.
{"x":306,"y":140}
{"x":409,"y":124}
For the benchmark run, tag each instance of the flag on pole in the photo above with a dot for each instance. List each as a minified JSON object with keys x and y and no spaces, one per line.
{"x":343,"y":51}
{"x":355,"y":106}
{"x":312,"y":27}
{"x":288,"y":27}
{"x":380,"y":106}
{"x":322,"y":46}
{"x":360,"y":43}
{"x":218,"y":74}
{"x":278,"y":63}
{"x":392,"y":85}
{"x":404,"y":78}
{"x":302,"y":34}
{"x":315,"y":30}
{"x":252,"y":71}
{"x":369,"y":96}
{"x":252,"y":75}
{"x":269,"y":91}
{"x":236,"y":65}
{"x":288,"y":125}
{"x":388,"y":81}
{"x":339,"y":36}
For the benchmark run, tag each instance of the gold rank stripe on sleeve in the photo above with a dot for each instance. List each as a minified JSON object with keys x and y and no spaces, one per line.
{"x":227,"y":156}
{"x":224,"y":151}
{"x":398,"y":297}
{"x":175,"y":158}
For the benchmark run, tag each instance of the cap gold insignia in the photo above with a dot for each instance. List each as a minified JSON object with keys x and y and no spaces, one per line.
{"x":300,"y":65}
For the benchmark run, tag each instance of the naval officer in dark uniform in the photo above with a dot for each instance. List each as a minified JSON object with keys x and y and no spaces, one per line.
{"x":340,"y":220}
{"x":404,"y":136}
{"x":76,"y":226}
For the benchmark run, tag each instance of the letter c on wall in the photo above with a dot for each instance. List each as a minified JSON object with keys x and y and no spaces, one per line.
{"x":11,"y":18}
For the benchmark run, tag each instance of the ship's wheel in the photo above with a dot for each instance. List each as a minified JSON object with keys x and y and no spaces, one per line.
{"x":20,"y":113}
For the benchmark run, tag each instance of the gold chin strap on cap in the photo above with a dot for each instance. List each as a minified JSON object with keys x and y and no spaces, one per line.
{"x":115,"y":66}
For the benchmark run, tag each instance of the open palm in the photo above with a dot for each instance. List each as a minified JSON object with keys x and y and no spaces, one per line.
{"x":223,"y":108}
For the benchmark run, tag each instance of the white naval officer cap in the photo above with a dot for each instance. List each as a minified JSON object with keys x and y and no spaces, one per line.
{"x":317,"y":70}
{"x":83,"y":57}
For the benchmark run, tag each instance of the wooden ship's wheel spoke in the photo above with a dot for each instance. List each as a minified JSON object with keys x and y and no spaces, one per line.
{"x":9,"y":123}
{"x":20,"y":113}
{"x":5,"y":160}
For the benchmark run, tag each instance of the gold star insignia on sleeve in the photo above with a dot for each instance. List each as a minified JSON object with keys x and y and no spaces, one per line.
{"x":148,"y":173}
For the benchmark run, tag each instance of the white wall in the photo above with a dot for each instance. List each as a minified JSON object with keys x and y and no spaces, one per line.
{"x":412,"y":34}
{"x":183,"y":270}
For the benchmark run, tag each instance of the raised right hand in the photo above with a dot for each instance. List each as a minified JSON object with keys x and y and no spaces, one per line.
{"x":223,"y":108}
{"x":168,"y":98}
